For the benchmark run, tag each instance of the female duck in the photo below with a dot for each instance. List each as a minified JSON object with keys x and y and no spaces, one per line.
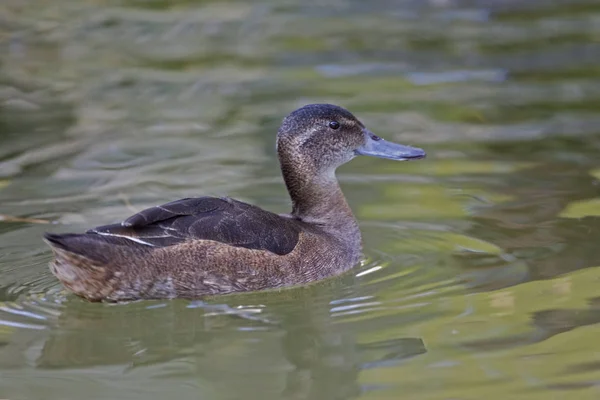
{"x":205,"y":246}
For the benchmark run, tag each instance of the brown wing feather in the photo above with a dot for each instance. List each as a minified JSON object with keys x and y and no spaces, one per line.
{"x":224,"y":220}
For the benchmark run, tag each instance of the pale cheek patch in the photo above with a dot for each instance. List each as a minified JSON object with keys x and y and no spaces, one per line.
{"x":305,"y":138}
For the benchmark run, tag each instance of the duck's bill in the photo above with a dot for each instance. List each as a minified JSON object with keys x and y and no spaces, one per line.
{"x":376,"y":147}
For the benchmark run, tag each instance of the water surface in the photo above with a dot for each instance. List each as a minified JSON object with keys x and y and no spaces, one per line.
{"x":480,"y":277}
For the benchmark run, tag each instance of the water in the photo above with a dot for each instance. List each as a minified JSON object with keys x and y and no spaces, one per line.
{"x":481,"y":273}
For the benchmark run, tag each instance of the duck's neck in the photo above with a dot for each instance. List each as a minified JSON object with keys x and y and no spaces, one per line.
{"x":318,"y":199}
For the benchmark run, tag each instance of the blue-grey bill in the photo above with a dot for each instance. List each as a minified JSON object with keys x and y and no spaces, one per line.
{"x":377,"y":147}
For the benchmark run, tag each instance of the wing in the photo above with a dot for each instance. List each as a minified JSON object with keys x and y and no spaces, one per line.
{"x":208,"y":218}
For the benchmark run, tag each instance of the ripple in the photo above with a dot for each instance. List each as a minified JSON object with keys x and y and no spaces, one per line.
{"x":31,"y":312}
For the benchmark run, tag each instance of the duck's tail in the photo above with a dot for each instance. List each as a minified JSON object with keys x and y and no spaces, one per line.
{"x":87,"y":264}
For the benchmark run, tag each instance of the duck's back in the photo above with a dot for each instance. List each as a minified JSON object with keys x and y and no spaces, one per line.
{"x":223,"y":220}
{"x":193,"y":247}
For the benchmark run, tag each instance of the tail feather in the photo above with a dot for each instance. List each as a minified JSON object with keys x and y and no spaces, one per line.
{"x":89,"y":264}
{"x":97,"y":247}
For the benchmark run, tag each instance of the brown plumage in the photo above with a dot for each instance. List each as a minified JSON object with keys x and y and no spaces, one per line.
{"x":204,"y":246}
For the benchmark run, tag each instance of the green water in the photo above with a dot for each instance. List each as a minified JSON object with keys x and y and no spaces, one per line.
{"x":481,"y":278}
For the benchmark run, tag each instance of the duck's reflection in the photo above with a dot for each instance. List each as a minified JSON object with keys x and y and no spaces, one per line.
{"x":281,"y":344}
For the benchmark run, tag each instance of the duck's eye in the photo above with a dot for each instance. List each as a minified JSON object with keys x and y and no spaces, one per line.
{"x":334,"y":124}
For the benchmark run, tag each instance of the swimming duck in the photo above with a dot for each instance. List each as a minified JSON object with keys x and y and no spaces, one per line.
{"x":195,"y":247}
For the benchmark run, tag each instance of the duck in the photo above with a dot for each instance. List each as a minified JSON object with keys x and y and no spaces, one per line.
{"x":205,"y":246}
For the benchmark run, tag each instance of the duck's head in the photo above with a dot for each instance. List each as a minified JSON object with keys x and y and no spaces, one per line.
{"x":318,"y":138}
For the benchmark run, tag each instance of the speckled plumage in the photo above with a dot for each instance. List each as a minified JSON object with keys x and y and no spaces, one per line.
{"x":204,"y":246}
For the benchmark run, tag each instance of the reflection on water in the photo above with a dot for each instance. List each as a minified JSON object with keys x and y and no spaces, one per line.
{"x":481,"y":269}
